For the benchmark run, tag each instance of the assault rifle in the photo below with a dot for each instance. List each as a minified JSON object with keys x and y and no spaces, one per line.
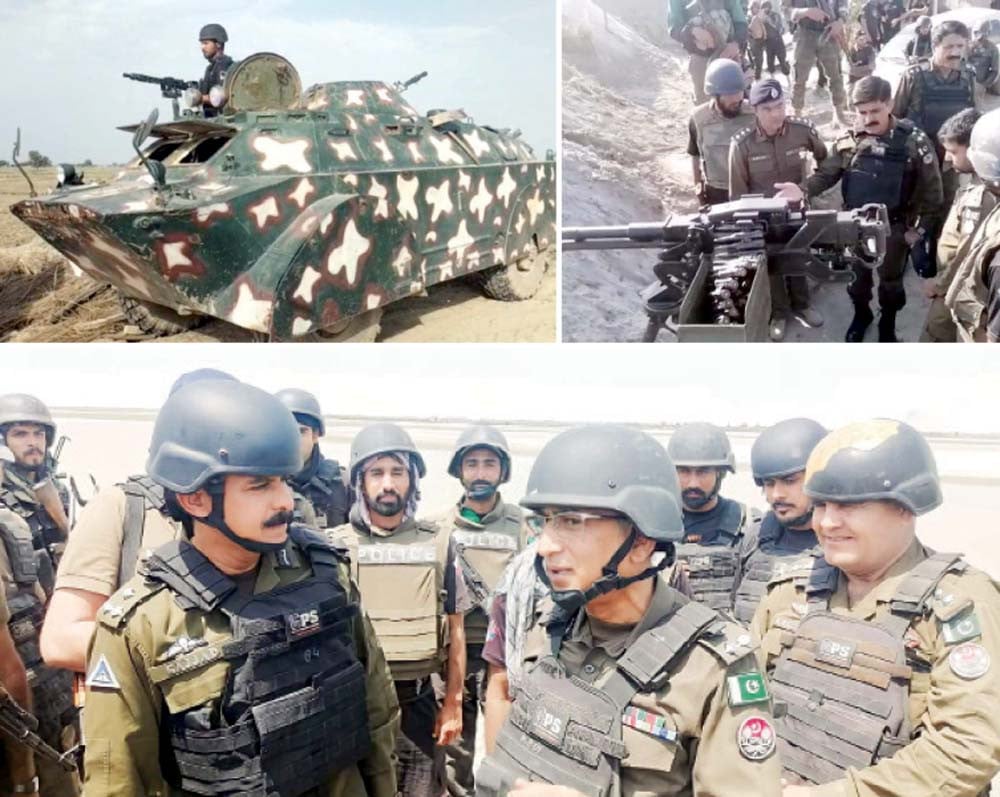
{"x":21,"y":726}
{"x":716,"y":253}
{"x":170,"y":87}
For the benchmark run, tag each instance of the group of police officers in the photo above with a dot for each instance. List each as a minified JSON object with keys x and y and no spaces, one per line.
{"x":247,"y":617}
{"x":928,"y":153}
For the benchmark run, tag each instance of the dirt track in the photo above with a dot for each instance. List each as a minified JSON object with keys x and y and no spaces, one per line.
{"x":40,"y":299}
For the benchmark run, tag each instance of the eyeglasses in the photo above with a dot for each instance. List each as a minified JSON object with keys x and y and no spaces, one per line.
{"x":565,"y":523}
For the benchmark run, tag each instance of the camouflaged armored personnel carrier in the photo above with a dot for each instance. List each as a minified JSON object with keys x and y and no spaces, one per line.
{"x":304,"y":214}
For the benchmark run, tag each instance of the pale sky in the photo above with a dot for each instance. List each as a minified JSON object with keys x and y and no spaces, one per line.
{"x":938,"y":389}
{"x":63,"y":60}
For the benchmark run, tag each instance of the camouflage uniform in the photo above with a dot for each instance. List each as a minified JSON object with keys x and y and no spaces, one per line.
{"x":898,"y":169}
{"x":756,"y":163}
{"x":722,"y":16}
{"x":973,"y":203}
{"x":813,"y":45}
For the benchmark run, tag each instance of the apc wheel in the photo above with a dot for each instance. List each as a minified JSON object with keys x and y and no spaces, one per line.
{"x":518,"y":280}
{"x":155,"y":319}
{"x":362,"y":328}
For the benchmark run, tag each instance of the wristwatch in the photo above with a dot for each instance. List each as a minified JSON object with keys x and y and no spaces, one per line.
{"x":27,"y":788}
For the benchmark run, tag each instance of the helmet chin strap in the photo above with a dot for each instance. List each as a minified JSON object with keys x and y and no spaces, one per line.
{"x":481,"y":490}
{"x":801,"y":520}
{"x":698,"y":503}
{"x":569,"y":601}
{"x":217,"y":521}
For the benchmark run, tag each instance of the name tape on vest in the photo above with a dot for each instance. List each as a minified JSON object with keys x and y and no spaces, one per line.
{"x":387,"y":553}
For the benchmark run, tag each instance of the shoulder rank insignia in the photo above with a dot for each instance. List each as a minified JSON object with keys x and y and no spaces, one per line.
{"x":652,"y":724}
{"x":102,"y":676}
{"x":747,"y":688}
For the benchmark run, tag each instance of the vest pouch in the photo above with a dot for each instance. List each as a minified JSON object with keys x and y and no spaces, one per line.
{"x":400,"y":591}
{"x":841,"y":687}
{"x":307,"y":734}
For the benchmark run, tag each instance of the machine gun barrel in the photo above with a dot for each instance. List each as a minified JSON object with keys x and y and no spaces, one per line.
{"x":639,"y":235}
{"x":166,"y":84}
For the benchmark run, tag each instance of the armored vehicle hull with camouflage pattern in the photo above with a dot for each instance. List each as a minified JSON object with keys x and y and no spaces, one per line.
{"x":304,"y":214}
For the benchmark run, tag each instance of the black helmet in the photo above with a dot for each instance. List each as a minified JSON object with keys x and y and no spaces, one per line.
{"x":481,"y":436}
{"x":615,"y":468}
{"x":610,"y":467}
{"x":22,"y":408}
{"x":383,"y":438}
{"x":877,"y":460}
{"x":304,"y":406}
{"x":783,"y":449}
{"x":701,"y":445}
{"x":216,"y":427}
{"x":724,"y":76}
{"x":213,"y":32}
{"x":199,"y":375}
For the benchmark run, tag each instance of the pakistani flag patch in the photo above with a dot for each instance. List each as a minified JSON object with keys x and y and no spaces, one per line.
{"x":652,"y":724}
{"x":747,"y":688}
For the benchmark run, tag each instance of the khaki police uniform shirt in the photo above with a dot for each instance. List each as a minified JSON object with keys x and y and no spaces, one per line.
{"x":705,"y":759}
{"x":972,"y":204}
{"x":758,"y":161}
{"x":927,"y":196}
{"x":956,"y":739}
{"x":94,"y":548}
{"x":122,"y":725}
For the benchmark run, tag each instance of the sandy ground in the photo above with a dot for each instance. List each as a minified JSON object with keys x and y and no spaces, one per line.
{"x":626,"y":103}
{"x":969,"y":466}
{"x":40,"y":299}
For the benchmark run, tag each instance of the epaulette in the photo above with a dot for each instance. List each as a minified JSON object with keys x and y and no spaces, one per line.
{"x":728,"y":641}
{"x":845,"y":143}
{"x":921,"y":66}
{"x":742,"y":134}
{"x":117,"y":610}
{"x":428,"y":525}
{"x":309,"y":540}
{"x":800,"y":120}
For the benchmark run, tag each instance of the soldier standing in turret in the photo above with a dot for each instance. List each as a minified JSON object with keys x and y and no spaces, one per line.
{"x":213,"y":38}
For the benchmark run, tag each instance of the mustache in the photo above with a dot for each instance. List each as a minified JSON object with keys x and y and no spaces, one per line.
{"x":282,"y":518}
{"x":694,"y":492}
{"x":388,"y":494}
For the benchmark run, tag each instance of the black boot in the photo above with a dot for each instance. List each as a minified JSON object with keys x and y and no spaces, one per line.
{"x":862,"y":318}
{"x":887,"y":327}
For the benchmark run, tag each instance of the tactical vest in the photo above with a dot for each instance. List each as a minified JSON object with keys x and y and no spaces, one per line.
{"x":809,"y":24}
{"x":293,"y":709}
{"x":941,"y":99}
{"x":402,"y":583}
{"x":565,"y":731}
{"x":328,"y":494}
{"x":713,"y":568}
{"x":142,"y":495}
{"x":878,"y":173}
{"x":714,"y":134}
{"x":19,"y":498}
{"x":841,"y":684}
{"x":980,"y":57}
{"x":51,"y":689}
{"x":760,"y":566}
{"x":483,"y":554}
